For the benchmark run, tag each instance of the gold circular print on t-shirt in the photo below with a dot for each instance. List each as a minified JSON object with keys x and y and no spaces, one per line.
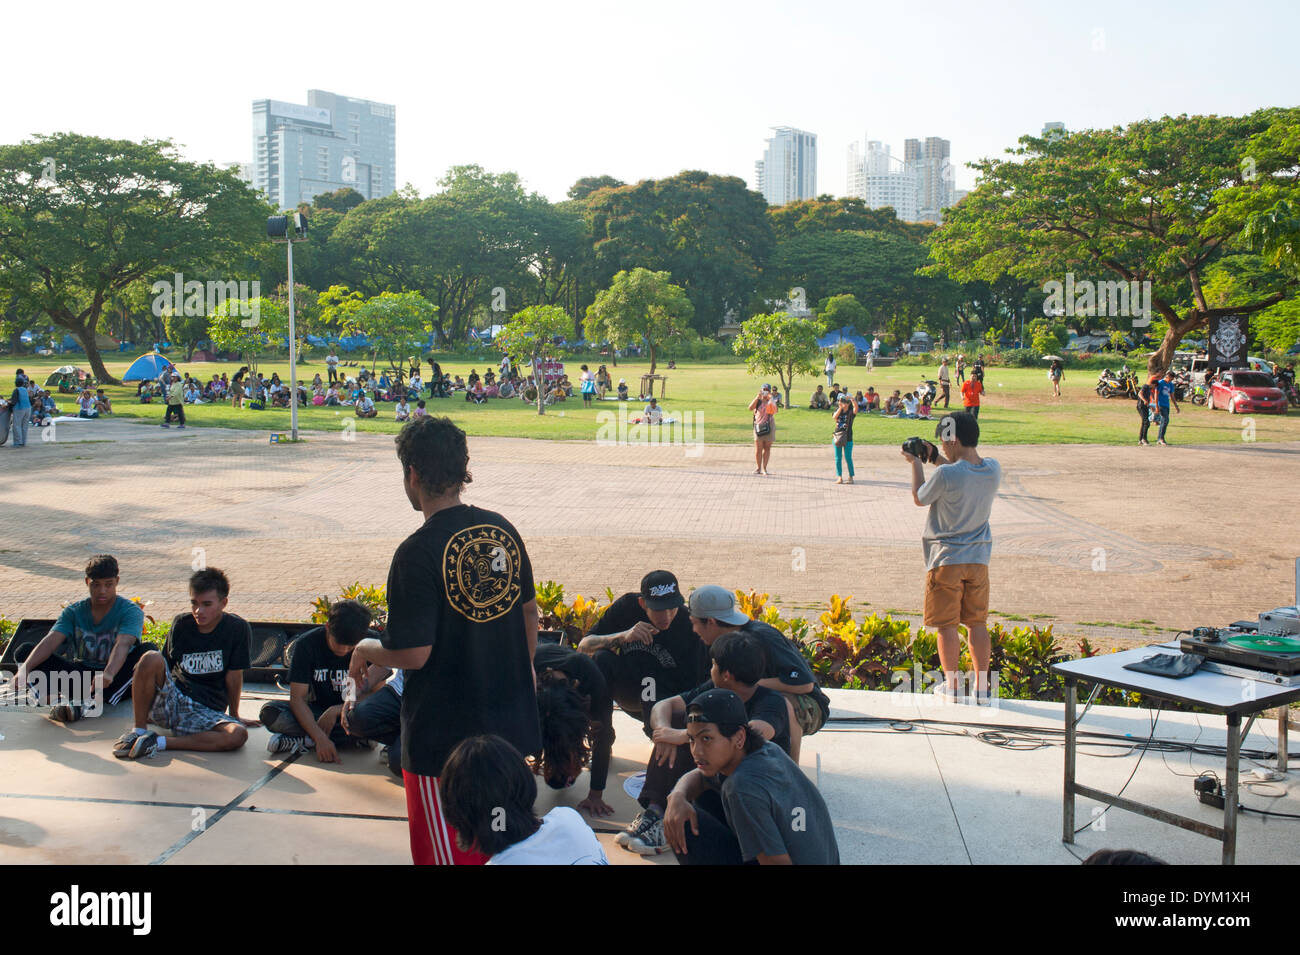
{"x":480,"y":567}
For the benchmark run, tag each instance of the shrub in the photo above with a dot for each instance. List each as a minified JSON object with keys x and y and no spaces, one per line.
{"x":374,"y":599}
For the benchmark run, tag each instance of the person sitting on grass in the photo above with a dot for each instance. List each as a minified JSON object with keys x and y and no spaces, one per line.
{"x":737,"y":806}
{"x":739,"y":662}
{"x":86,"y":406}
{"x":419,"y":411}
{"x":332,"y":395}
{"x":819,"y":400}
{"x":475,"y":393}
{"x":318,"y":686}
{"x":487,"y":796}
{"x":859,"y":402}
{"x":458,"y":384}
{"x":402,"y":412}
{"x":893,"y":404}
{"x":99,"y":634}
{"x":195,"y":681}
{"x":103,"y":404}
{"x":365,"y":407}
{"x":622,"y":389}
{"x":653,"y":414}
{"x":506,"y":388}
{"x":909,"y":405}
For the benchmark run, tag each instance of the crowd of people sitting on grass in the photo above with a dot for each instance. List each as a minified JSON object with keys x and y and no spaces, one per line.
{"x":39,"y":409}
{"x":913,"y":404}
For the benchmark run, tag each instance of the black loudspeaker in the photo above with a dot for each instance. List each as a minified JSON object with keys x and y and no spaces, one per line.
{"x":277,"y":227}
{"x":28,"y":632}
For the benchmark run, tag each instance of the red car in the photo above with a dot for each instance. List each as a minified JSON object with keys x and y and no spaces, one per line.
{"x":1244,"y":390}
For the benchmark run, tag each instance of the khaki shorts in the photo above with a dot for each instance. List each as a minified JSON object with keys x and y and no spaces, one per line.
{"x":956,"y":593}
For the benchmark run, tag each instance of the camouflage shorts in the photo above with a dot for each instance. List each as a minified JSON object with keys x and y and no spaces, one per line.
{"x":807,"y":712}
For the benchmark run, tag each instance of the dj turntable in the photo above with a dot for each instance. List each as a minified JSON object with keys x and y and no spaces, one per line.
{"x":1267,"y":650}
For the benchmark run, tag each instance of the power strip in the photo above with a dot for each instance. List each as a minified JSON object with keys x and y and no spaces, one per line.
{"x":1209,"y":791}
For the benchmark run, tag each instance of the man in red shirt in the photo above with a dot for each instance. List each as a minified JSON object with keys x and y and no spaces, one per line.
{"x":971,"y":389}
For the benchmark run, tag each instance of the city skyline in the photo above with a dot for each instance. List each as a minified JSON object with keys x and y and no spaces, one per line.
{"x":685,"y":90}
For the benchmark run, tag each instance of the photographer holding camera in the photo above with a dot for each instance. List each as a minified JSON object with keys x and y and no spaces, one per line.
{"x":957,"y":543}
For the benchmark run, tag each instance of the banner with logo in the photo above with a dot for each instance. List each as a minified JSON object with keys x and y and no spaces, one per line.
{"x":1228,"y":341}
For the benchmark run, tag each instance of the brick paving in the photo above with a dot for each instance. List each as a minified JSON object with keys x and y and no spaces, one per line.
{"x":1180,"y":536}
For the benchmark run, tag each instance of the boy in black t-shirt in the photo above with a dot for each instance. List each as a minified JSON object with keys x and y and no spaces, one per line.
{"x":739,"y":661}
{"x":462,"y":624}
{"x":645,"y":647}
{"x":318,"y":686}
{"x":198,"y":677}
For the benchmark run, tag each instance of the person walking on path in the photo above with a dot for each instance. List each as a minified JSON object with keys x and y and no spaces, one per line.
{"x":944,"y":381}
{"x":1165,"y":389}
{"x":1144,"y":412}
{"x":843,"y":439}
{"x":764,"y":410}
{"x":830,"y":369}
{"x":175,"y":403}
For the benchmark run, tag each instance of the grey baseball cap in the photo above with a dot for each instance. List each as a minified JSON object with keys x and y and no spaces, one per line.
{"x":717,"y":603}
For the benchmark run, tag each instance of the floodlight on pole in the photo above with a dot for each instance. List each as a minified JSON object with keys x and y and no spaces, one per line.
{"x":278,"y":230}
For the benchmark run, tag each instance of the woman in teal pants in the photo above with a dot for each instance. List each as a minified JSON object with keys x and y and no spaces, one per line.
{"x":843,"y":439}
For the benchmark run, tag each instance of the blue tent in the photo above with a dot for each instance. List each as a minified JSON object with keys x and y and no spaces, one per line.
{"x":834,"y":339}
{"x":353,"y":342}
{"x":148,"y":368}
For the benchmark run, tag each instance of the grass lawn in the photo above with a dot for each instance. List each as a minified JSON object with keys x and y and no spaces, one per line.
{"x":1018,"y":409}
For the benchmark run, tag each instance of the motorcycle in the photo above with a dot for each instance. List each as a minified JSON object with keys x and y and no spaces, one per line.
{"x":1111,"y":385}
{"x":926,"y":391}
{"x":1200,"y":392}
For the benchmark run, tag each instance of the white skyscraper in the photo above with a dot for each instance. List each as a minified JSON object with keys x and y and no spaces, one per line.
{"x":333,"y":142}
{"x":788,"y":170}
{"x":928,"y":161}
{"x":880,"y":180}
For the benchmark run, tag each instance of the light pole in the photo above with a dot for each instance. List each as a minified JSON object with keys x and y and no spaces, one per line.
{"x":277,"y":227}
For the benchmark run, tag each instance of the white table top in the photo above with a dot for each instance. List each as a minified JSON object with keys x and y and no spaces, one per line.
{"x":1215,"y":691}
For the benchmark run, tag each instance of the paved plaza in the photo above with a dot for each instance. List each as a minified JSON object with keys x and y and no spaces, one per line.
{"x":1130,"y":537}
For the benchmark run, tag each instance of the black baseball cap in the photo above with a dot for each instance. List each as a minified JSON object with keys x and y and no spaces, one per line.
{"x":661,"y":591}
{"x":717,"y":706}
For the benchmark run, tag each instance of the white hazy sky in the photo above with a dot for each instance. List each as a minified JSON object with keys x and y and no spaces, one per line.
{"x":570,"y":88}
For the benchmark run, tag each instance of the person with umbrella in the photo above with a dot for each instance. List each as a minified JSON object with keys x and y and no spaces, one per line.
{"x":1054,"y":373}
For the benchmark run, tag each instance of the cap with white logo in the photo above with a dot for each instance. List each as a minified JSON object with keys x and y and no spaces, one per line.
{"x":660,"y":591}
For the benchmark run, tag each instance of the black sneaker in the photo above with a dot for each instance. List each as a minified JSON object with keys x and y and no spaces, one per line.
{"x":639,"y":824}
{"x":64,"y":713}
{"x":650,"y":840}
{"x":122,"y":747}
{"x":145,"y":745}
{"x":283,"y":744}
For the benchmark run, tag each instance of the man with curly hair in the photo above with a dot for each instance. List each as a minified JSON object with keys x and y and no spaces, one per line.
{"x":462,"y":623}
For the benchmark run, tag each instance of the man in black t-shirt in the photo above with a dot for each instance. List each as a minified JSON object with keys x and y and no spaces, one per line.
{"x":739,"y":662}
{"x":195,"y":681}
{"x":462,"y":624}
{"x":318,"y":686}
{"x":646,"y":648}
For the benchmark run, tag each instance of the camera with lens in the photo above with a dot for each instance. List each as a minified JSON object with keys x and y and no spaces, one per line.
{"x":920,"y":448}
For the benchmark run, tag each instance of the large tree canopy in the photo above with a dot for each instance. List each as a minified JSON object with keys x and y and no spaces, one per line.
{"x":639,"y":306}
{"x":1160,"y":201}
{"x":82,"y":218}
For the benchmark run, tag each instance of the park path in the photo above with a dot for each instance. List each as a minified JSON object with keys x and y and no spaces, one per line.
{"x":1176,"y":536}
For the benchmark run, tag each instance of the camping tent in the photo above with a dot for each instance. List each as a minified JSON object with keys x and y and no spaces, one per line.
{"x":148,"y":367}
{"x":834,"y":338}
{"x":68,"y":378}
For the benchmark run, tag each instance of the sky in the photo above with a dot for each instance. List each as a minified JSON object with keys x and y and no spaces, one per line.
{"x":560,"y":90}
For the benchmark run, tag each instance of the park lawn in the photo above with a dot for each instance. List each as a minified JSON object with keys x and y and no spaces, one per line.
{"x":1018,"y":408}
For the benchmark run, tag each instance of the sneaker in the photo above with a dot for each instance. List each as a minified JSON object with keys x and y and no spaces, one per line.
{"x":639,"y":824}
{"x":1162,"y":443}
{"x":145,"y":745}
{"x":180,"y":427}
{"x":284,"y":744}
{"x":64,"y":713}
{"x":123,"y":744}
{"x":164,"y":425}
{"x":650,"y":840}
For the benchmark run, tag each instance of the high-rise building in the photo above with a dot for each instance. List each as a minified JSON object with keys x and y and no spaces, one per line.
{"x":881,"y":180}
{"x":1053,"y":130}
{"x":788,"y":170}
{"x":334,"y":142}
{"x":928,"y":161}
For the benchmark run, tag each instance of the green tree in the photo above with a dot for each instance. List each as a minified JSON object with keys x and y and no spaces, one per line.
{"x":844,"y":311}
{"x":396,"y":325}
{"x":639,"y":305}
{"x":82,"y":218}
{"x":1159,"y":200}
{"x":780,"y":344}
{"x":249,"y":335}
{"x":529,"y":333}
{"x":185,"y":330}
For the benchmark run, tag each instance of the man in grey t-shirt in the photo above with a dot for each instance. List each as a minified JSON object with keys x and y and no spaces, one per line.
{"x":958,"y":544}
